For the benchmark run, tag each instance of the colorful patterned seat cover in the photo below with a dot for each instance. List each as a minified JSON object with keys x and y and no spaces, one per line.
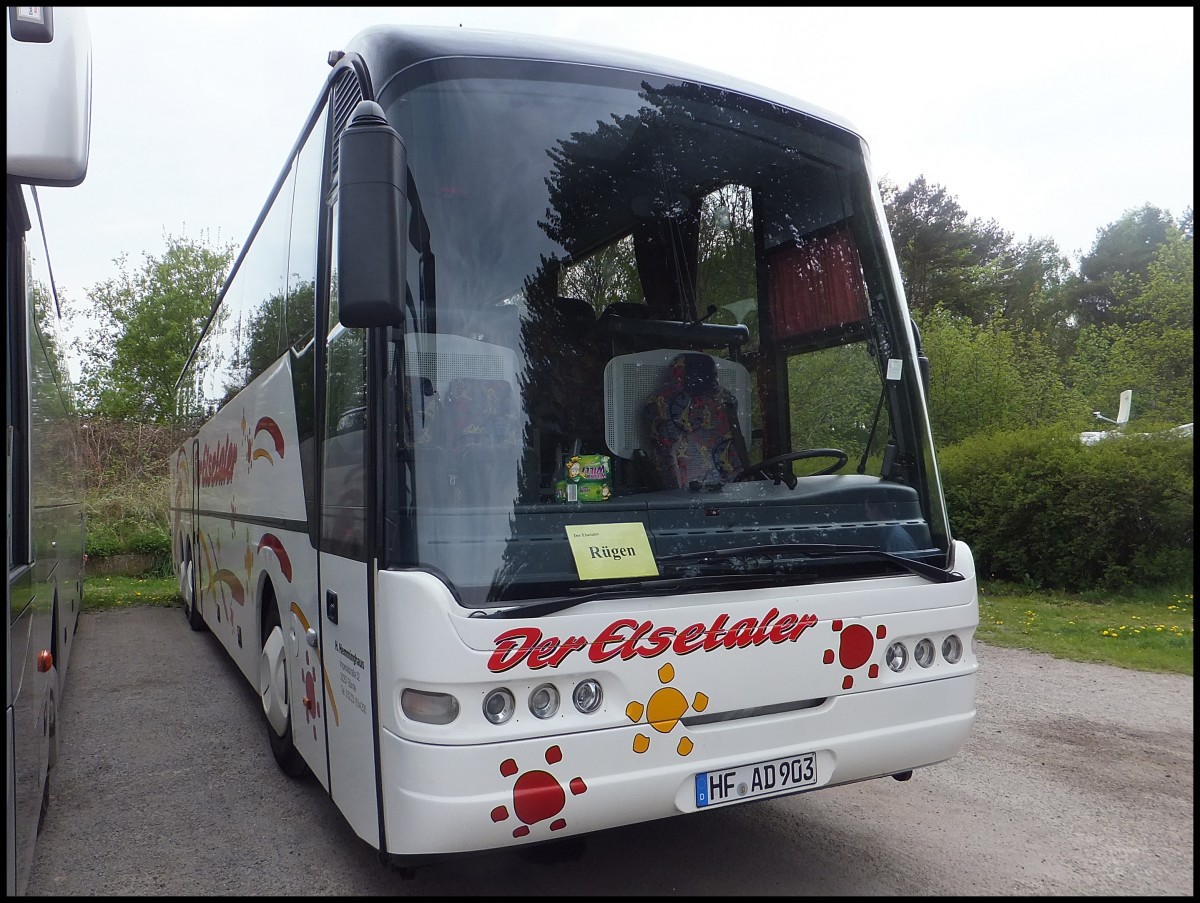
{"x":692,"y":422}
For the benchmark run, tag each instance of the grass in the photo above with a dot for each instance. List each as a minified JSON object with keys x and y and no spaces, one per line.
{"x":1146,"y":630}
{"x":121,"y":592}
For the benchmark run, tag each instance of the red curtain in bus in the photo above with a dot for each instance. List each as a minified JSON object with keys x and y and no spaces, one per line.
{"x":816,"y":284}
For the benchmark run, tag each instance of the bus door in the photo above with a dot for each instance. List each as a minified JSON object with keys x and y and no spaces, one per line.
{"x":344,"y":577}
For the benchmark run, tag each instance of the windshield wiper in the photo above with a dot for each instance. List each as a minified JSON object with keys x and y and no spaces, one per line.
{"x":713,"y":582}
{"x":813,"y":550}
{"x":582,"y":594}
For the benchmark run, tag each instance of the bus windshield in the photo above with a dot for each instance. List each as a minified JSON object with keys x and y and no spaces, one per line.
{"x":652,"y":308}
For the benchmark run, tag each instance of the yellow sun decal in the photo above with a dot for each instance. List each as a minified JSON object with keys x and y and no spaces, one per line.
{"x":665,"y":708}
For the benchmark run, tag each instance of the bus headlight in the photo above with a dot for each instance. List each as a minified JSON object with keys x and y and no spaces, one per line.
{"x":587,"y":696}
{"x":952,"y":649}
{"x":896,"y":657}
{"x":498,"y":706}
{"x":430,"y":708}
{"x":543,"y":701}
{"x":924,"y":653}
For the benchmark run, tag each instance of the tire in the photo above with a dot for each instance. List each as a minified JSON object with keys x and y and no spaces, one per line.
{"x":276,"y":696}
{"x":191,"y":607}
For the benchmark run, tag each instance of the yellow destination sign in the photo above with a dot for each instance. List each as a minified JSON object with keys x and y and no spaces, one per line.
{"x":605,"y":551}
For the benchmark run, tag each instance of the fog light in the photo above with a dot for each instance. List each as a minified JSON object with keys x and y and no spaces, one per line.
{"x":498,"y":706}
{"x":431,"y":708}
{"x":924,"y":653}
{"x":952,"y":649}
{"x":896,"y":657}
{"x":543,"y":701}
{"x":587,"y":696}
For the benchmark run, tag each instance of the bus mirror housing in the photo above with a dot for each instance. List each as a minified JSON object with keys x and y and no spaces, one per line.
{"x":49,"y":51}
{"x":372,"y":207}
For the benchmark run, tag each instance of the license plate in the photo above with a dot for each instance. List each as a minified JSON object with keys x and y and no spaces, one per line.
{"x":747,"y":782}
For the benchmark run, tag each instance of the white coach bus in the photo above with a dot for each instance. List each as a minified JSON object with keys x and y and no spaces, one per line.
{"x":562,"y":455}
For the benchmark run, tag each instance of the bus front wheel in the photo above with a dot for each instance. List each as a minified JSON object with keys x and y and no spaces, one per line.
{"x":273,"y":687}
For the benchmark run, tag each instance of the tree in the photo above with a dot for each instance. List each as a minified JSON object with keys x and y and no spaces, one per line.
{"x":1123,"y":250}
{"x":990,"y":378}
{"x":1151,"y":350}
{"x":969,"y":266}
{"x":145,"y":326}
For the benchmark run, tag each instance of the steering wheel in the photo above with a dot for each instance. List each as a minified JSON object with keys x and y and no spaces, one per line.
{"x":772,"y":469}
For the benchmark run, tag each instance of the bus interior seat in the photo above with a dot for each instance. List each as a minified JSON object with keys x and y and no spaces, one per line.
{"x":692,"y":420}
{"x":636,"y":384}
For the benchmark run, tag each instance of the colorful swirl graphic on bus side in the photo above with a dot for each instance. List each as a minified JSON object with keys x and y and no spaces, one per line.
{"x":271,"y":428}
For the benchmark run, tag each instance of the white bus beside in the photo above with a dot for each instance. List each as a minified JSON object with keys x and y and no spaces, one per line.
{"x":49,"y":122}
{"x":562,"y":457}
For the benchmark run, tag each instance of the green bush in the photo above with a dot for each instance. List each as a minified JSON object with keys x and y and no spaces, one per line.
{"x":1039,"y":507}
{"x":127,"y":491}
{"x":105,"y":538}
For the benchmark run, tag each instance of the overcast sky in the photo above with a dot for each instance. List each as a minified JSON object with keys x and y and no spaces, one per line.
{"x":1051,"y":121}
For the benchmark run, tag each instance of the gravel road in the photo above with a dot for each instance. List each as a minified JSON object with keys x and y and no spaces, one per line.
{"x":1077,"y":780}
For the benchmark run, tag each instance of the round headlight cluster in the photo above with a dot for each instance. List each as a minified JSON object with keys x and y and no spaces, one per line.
{"x":544,"y":701}
{"x":952,"y":649}
{"x":587,"y":696}
{"x":499,"y":705}
{"x":924,"y":653}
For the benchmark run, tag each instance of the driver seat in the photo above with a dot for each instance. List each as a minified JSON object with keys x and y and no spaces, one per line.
{"x":692,"y":423}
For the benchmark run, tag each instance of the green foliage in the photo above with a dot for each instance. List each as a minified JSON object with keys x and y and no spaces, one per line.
{"x":1152,"y":350}
{"x":126,"y":536}
{"x":127,"y":487}
{"x":988,"y":378}
{"x":1147,"y":630}
{"x":100,"y":593}
{"x":969,"y":267}
{"x":1122,"y":249}
{"x":835,"y":392}
{"x":1038,"y":506}
{"x":146,"y":323}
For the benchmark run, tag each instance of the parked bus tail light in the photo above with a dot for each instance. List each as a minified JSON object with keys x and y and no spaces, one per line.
{"x":430,"y":708}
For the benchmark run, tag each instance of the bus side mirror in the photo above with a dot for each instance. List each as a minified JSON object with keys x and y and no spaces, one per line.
{"x":372,"y":208}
